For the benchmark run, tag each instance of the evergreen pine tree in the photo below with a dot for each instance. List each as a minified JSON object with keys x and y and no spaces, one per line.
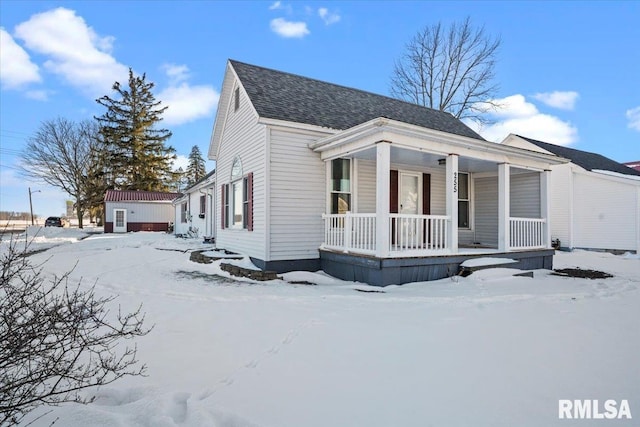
{"x":195,"y":169}
{"x":136,"y":152}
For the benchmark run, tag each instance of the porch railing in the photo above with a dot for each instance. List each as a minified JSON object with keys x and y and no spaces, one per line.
{"x":357,"y":232}
{"x":418,"y":232}
{"x":527,"y":233}
{"x":350,"y":232}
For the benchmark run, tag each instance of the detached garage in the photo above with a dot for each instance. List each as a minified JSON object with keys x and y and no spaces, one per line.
{"x":138,"y":211}
{"x":595,"y":201}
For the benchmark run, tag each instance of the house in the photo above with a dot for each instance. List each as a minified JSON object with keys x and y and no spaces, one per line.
{"x":313,"y":175}
{"x":595,"y":201}
{"x":633,"y":165}
{"x":195,"y":209}
{"x":137,"y":211}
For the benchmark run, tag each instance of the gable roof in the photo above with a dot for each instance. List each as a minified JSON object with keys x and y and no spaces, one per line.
{"x":138,"y":196}
{"x":584,"y":159}
{"x":289,"y":97}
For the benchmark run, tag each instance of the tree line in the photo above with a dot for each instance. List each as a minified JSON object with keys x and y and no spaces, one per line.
{"x":123,"y":149}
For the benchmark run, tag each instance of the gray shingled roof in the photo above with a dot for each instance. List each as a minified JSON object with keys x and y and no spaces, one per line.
{"x":584,"y":159}
{"x":284,"y":96}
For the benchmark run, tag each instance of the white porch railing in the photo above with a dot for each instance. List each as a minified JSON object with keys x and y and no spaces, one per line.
{"x":350,"y":232}
{"x":357,"y":233}
{"x":418,"y":232}
{"x":527,"y":233}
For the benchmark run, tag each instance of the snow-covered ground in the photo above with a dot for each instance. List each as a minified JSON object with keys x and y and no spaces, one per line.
{"x":486,"y":350}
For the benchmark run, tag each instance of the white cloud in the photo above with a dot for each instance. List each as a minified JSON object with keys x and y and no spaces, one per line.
{"x":186,"y":103}
{"x":557,"y":99}
{"x":328,"y":17}
{"x":289,"y":29}
{"x":38,"y":95}
{"x":276,"y":5}
{"x":76,"y":53}
{"x":181,"y":161}
{"x":16,"y":69}
{"x":176,"y":73}
{"x":518,"y":116}
{"x":633,"y":115}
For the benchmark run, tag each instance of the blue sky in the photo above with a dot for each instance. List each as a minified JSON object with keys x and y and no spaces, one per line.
{"x":568,"y":71}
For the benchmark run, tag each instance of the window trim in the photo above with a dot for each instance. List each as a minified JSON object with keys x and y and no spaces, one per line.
{"x":184,"y":209}
{"x":467,"y":200}
{"x":350,"y":193}
{"x":236,"y":99}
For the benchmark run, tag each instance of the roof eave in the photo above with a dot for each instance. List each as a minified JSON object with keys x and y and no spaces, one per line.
{"x":383,"y":124}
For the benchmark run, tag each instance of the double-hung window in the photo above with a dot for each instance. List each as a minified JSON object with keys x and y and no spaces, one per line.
{"x":203,"y":205}
{"x":340,"y":186}
{"x":463,"y":200}
{"x":237,"y":199}
{"x":183,"y":212}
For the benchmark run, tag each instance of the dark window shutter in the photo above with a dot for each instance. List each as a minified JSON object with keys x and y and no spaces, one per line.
{"x":426,"y":205}
{"x":223,"y":207}
{"x":250,"y":201}
{"x":393,"y":202}
{"x":393,"y":192}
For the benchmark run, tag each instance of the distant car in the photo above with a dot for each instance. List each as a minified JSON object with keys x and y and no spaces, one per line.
{"x":54,"y":221}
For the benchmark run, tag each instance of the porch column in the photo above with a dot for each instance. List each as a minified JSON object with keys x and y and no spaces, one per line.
{"x":545,"y":212}
{"x":503,"y":207}
{"x":452,"y":201}
{"x":383,"y":166}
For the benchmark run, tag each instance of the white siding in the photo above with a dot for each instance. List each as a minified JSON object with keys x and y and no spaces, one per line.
{"x":605,"y":213}
{"x":244,"y":137}
{"x":525,"y":195}
{"x":366,"y":191}
{"x":203,"y":225}
{"x":297,"y":195}
{"x":560,"y":204}
{"x":142,"y":211}
{"x":486,"y":210}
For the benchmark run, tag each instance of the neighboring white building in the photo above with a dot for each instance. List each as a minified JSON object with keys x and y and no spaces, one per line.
{"x":312,"y":175}
{"x":595,"y":201}
{"x":195,"y":209}
{"x":137,"y":211}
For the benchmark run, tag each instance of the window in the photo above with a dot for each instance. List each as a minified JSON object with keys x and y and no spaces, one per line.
{"x":203,"y":205}
{"x":183,"y":213}
{"x":236,"y":99}
{"x":237,"y":199}
{"x":340,"y":186}
{"x":463,"y":200}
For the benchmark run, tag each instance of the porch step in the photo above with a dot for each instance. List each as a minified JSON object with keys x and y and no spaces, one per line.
{"x":475,"y":264}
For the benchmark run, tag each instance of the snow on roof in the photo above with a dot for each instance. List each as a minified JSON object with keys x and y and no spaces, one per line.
{"x":138,"y":196}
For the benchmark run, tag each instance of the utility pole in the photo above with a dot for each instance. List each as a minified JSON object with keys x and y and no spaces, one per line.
{"x":31,"y":203}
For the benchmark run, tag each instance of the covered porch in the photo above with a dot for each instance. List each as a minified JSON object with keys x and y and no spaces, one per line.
{"x":399,"y":192}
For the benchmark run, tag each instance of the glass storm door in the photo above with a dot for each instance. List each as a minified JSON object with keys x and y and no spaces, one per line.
{"x":409,"y":200}
{"x":119,"y":220}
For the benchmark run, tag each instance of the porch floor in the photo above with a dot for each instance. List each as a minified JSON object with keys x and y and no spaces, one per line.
{"x":395,"y":271}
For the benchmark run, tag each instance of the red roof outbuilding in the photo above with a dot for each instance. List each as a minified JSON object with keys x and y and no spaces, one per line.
{"x":138,"y":196}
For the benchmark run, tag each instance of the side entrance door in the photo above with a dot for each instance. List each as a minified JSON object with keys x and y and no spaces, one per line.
{"x":119,"y":220}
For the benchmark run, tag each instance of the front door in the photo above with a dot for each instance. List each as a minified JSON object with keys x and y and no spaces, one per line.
{"x":119,"y":220}
{"x":409,"y":203}
{"x":409,"y":197}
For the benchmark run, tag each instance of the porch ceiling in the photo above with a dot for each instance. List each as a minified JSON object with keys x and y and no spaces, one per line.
{"x":426,"y":145}
{"x":428,"y":160}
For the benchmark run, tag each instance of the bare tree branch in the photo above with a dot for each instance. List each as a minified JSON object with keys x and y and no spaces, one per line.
{"x":450,"y":70}
{"x":57,"y":340}
{"x":63,"y":154}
